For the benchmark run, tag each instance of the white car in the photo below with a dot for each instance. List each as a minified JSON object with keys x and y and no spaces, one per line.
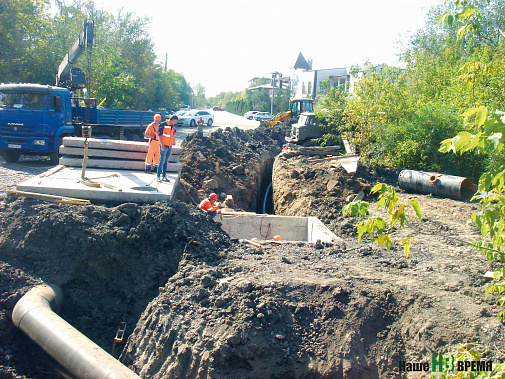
{"x":189,"y":118}
{"x":249,"y":115}
{"x":262,"y":116}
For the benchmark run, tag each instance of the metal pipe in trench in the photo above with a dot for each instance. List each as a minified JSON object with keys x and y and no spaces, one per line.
{"x":454,"y":187}
{"x":33,"y":314}
{"x":265,"y":198}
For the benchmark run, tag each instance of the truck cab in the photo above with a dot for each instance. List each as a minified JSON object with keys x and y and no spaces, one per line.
{"x":306,"y":128}
{"x":33,"y":120}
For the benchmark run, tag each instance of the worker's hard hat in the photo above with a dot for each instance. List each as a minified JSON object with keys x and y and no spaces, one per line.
{"x":213,"y":196}
{"x":277,"y":238}
{"x":157,"y":117}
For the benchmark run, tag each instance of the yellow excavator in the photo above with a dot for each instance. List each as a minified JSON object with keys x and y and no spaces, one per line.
{"x":296,"y":107}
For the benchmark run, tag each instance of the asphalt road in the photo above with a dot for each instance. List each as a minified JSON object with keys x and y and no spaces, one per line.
{"x":222,"y":119}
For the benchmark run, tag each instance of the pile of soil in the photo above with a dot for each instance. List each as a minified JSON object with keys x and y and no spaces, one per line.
{"x":109,"y":262}
{"x":305,"y":185}
{"x":229,"y":162}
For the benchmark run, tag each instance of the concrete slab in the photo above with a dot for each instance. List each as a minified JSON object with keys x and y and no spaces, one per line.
{"x":114,"y":164}
{"x":102,"y":153}
{"x":128,"y":186}
{"x":111,"y":144}
{"x":121,"y":154}
{"x":265,"y":227}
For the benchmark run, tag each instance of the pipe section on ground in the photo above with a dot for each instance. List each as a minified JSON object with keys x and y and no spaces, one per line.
{"x":34,"y":315}
{"x":454,"y":187}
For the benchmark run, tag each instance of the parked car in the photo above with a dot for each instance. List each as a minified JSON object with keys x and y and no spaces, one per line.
{"x":189,"y":118}
{"x":185,"y":108}
{"x":217,"y":109}
{"x":262,"y":116}
{"x":249,"y":115}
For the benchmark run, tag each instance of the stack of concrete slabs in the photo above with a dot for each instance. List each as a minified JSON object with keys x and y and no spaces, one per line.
{"x":114,"y":173}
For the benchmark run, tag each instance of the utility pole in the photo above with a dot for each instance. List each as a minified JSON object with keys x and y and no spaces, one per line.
{"x":166,"y":59}
{"x":274,"y":76}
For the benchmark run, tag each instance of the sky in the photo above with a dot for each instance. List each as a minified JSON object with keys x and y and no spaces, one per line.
{"x":222,"y":44}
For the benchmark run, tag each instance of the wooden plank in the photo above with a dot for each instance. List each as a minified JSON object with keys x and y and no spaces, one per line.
{"x":43,"y":196}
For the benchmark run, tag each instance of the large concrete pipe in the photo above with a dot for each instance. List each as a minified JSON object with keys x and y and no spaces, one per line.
{"x":74,"y":351}
{"x":454,"y":187}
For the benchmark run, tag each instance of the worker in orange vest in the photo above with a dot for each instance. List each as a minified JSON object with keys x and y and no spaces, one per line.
{"x":209,"y":205}
{"x":166,"y":134}
{"x":153,"y":153}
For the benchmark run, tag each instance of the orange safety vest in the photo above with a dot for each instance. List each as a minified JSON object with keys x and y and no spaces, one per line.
{"x":167,"y":137}
{"x":207,"y":206}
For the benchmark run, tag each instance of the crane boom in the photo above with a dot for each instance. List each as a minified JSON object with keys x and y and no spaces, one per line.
{"x":84,"y":41}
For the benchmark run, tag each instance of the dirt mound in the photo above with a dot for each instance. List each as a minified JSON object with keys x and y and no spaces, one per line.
{"x":315,"y":310}
{"x":315,"y":186}
{"x":109,"y":262}
{"x":281,"y":311}
{"x":233,"y":162}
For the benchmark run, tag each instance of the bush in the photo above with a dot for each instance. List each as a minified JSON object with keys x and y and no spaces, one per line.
{"x":414,"y":144}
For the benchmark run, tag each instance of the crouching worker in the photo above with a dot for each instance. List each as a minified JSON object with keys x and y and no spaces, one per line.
{"x":209,"y":205}
{"x":153,"y":154}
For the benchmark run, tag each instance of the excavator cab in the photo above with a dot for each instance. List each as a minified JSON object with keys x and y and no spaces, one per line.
{"x":299,"y":106}
{"x":296,"y":107}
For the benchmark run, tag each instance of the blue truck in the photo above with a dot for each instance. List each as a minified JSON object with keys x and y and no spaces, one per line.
{"x":34,"y":119}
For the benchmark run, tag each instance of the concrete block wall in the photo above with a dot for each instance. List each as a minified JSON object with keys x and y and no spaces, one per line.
{"x":265,"y":227}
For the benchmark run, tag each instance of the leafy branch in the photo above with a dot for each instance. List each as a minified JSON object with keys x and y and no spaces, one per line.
{"x":488,"y":138}
{"x":377,"y":228}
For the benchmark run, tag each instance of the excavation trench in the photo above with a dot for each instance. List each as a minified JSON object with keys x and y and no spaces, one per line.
{"x":109,"y":261}
{"x":198,"y":303}
{"x":264,"y":203}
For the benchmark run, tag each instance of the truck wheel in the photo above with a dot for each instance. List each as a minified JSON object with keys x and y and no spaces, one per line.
{"x":134,"y":137}
{"x":54,"y":157}
{"x":11,"y":156}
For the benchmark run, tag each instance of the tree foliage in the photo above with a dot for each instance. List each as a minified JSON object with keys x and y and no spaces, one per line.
{"x":398,"y":117}
{"x":121,"y":67}
{"x":378,"y":229}
{"x":25,"y":46}
{"x":329,"y":109}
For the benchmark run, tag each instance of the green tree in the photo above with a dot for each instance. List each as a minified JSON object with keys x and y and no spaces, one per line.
{"x":25,"y":46}
{"x":260,"y":100}
{"x":329,"y":108}
{"x":381,"y":96}
{"x":199,"y":100}
{"x":120,"y":68}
